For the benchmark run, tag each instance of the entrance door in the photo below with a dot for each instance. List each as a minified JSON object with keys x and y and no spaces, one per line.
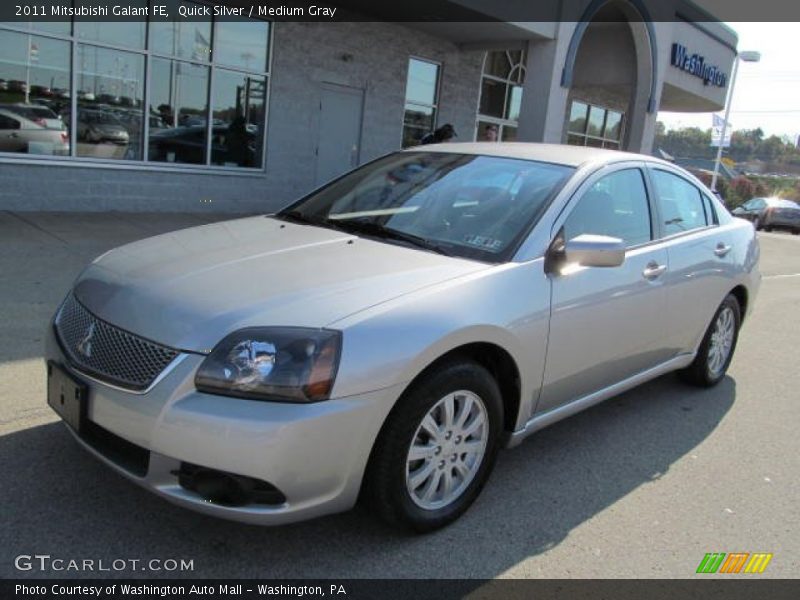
{"x":339,"y":131}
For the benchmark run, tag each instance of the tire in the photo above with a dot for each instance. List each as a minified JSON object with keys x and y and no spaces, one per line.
{"x":768,"y":228}
{"x":795,"y":231}
{"x":757,"y":224}
{"x":709,"y":366}
{"x":465,"y":386}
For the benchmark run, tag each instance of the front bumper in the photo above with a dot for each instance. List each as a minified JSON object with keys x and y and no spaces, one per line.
{"x":315,"y":454}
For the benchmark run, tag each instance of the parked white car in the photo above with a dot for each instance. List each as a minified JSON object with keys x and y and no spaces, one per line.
{"x":387,"y":334}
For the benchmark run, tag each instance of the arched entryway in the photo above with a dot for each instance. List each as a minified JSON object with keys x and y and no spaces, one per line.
{"x":610,"y":73}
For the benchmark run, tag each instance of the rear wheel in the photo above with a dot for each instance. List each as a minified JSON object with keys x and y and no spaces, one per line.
{"x":716,"y":349}
{"x":437,"y":448}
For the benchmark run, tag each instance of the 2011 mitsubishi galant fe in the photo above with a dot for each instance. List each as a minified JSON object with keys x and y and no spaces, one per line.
{"x":384,"y":336}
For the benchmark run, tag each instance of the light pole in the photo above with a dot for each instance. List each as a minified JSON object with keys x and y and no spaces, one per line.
{"x":746,"y":56}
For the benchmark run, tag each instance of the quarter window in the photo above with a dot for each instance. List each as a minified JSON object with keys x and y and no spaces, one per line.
{"x":680,"y":202}
{"x":616,"y":206}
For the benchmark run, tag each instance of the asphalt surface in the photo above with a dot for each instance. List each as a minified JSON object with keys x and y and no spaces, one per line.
{"x":642,"y":485}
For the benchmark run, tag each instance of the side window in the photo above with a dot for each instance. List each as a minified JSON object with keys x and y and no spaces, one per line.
{"x":615,"y":205}
{"x":8,"y":123}
{"x":680,"y":202}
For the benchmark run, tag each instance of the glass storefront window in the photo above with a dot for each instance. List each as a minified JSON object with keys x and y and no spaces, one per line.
{"x":188,"y":38}
{"x":242,"y":43}
{"x":514,"y":103}
{"x":422,"y":98}
{"x":613,"y":125}
{"x":501,"y":95}
{"x":56,"y":27}
{"x":119,"y":33}
{"x":238,"y":119}
{"x":34,"y":91}
{"x":509,"y":134}
{"x":110,"y":103}
{"x":577,"y":117}
{"x":595,"y":126}
{"x":201,"y":97}
{"x":493,"y":98}
{"x":178,"y":113}
{"x":498,"y":64}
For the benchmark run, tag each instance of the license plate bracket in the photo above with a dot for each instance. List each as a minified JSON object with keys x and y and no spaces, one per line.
{"x":66,"y":395}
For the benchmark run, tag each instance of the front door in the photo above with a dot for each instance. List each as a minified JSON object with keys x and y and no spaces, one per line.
{"x":606,"y":323}
{"x":339,"y":142}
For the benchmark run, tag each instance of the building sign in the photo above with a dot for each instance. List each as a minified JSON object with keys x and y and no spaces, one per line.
{"x":697,"y":66}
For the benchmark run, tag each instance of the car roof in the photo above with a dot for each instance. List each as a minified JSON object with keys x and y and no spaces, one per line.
{"x":784,"y":202}
{"x":10,"y":113}
{"x":562,"y":154}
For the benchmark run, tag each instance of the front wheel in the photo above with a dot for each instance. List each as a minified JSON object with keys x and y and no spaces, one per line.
{"x":437,"y":447}
{"x":757,"y":224}
{"x":716,"y":349}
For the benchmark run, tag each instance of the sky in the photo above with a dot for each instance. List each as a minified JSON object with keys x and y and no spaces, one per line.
{"x":766,"y":93}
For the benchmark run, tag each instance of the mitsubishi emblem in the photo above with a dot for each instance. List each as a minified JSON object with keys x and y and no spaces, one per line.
{"x":85,"y":345}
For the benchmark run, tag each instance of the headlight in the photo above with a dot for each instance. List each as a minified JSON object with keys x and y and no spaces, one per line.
{"x":288,"y":364}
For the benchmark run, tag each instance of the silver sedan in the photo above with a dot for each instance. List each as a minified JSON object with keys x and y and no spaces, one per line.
{"x":385,"y":336}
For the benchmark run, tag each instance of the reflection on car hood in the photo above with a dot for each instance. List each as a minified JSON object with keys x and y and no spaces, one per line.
{"x":188,"y":289}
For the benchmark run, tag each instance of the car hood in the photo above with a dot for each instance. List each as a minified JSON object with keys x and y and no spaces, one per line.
{"x":189,"y":288}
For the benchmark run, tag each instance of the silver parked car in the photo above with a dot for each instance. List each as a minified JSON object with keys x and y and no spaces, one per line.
{"x":384,"y":336}
{"x":19,"y":134}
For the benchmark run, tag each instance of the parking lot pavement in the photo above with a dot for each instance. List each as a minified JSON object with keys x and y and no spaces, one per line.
{"x":640,"y":486}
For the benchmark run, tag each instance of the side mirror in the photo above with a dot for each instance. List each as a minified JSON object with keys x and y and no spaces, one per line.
{"x":737,"y":211}
{"x":590,"y":250}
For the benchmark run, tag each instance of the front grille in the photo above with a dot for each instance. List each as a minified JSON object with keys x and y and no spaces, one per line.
{"x":108,"y":352}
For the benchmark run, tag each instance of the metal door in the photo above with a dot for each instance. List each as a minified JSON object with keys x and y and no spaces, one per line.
{"x":339,"y":139}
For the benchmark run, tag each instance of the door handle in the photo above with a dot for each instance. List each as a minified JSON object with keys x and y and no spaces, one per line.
{"x":721,"y":250}
{"x":13,"y":135}
{"x":653,"y":270}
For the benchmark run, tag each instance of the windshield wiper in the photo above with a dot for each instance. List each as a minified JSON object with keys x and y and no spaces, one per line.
{"x":377,"y":230}
{"x":298,"y":217}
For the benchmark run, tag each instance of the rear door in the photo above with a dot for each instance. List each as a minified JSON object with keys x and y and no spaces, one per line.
{"x":606,"y":323}
{"x":700,"y":257}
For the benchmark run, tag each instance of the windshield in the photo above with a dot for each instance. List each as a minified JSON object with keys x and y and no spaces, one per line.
{"x":457,"y":204}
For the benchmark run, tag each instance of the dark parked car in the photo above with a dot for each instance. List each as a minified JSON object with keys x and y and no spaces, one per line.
{"x":771,"y":213}
{"x":188,"y":145}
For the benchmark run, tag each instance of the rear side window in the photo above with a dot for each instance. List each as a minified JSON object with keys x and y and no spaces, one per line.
{"x":680,"y":202}
{"x":616,"y":206}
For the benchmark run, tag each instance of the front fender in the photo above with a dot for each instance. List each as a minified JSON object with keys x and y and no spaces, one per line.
{"x":390,"y":344}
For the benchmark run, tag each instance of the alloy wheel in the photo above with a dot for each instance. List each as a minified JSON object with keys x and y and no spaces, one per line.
{"x":447,"y":450}
{"x":721,"y":341}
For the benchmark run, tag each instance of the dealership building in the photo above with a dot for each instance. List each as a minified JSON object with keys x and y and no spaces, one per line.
{"x":246,"y":115}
